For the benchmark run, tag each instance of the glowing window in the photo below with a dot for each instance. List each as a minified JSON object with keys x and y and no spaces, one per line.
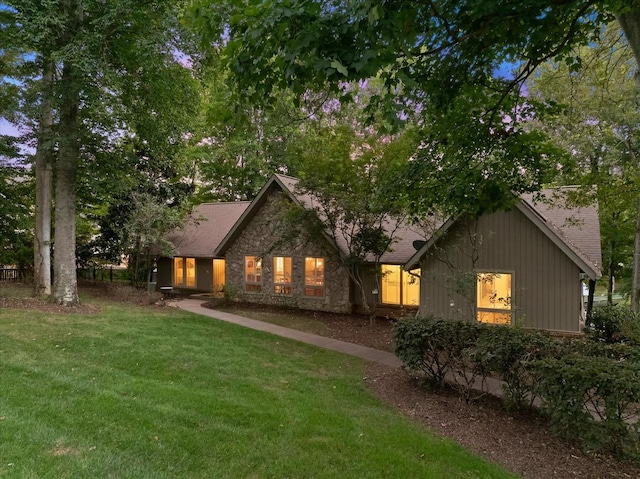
{"x":493,"y":298}
{"x":400,"y":287}
{"x":253,"y":274}
{"x":219,"y":277}
{"x":184,"y":272}
{"x":282,"y":275}
{"x":314,"y":276}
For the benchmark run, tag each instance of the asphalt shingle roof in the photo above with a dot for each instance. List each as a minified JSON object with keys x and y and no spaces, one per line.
{"x":578,"y":227}
{"x":402,"y":247}
{"x":206,"y":226}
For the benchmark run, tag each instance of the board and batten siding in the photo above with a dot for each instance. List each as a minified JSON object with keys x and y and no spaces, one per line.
{"x":546,"y":289}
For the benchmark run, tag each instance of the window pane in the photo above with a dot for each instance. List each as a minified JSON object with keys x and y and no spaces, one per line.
{"x":219,"y":268}
{"x":253,"y":273}
{"x":178,"y":271}
{"x":411,"y":288}
{"x":282,"y":270}
{"x":191,"y":272}
{"x":494,"y":318}
{"x":494,"y":291}
{"x":314,"y":276}
{"x":390,"y":284}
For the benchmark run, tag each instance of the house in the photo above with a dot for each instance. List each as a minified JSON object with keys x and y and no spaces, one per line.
{"x":248,"y":248}
{"x":523,"y":267}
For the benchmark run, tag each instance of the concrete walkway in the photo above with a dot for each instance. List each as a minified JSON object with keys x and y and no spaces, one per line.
{"x":370,"y":354}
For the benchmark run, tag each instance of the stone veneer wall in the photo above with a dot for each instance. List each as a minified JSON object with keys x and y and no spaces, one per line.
{"x":259,"y":238}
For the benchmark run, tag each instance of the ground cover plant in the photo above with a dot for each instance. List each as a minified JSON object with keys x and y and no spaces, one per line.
{"x":115,"y":390}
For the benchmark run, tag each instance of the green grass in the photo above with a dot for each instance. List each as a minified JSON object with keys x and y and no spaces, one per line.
{"x":157,"y":393}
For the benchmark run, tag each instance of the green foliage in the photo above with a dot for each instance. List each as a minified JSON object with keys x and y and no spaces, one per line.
{"x":145,"y":234}
{"x":468,"y":353}
{"x":589,"y":111}
{"x":433,"y":346}
{"x":443,"y":63}
{"x":121,"y":97}
{"x":507,"y":353}
{"x":592,"y":400}
{"x":589,"y":390}
{"x":613,"y":324}
{"x":16,"y":221}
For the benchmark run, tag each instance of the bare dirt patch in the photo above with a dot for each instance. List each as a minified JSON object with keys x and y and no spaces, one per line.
{"x":44,"y":306}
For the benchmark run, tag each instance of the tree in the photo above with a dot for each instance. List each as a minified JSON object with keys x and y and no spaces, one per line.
{"x":351,"y":172}
{"x":240,"y":144}
{"x":16,"y":223}
{"x":117,"y":72}
{"x":145,"y":233}
{"x":592,"y":114}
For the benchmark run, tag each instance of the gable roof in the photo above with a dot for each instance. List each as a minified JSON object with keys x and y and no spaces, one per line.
{"x":402,"y":248}
{"x":205,"y":227}
{"x":575,"y":230}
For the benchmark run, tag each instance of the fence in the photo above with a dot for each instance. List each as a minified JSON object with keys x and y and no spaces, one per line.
{"x":107,"y":273}
{"x":103,"y":274}
{"x":11,"y":274}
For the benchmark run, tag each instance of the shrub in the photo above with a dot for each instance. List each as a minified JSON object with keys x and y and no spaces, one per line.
{"x":432,"y":345}
{"x":615,"y":351}
{"x":593,"y":400}
{"x":590,"y":390}
{"x":506,"y":352}
{"x":613,"y":324}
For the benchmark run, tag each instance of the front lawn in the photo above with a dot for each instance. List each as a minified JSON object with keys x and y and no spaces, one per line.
{"x":155,"y":393}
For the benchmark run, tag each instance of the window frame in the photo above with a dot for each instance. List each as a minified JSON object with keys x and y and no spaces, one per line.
{"x":282,"y":287}
{"x":506,"y":311}
{"x":184,"y":282}
{"x":254,"y":286}
{"x":317,"y":287}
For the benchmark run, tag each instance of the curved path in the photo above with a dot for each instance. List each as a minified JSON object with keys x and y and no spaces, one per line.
{"x":370,"y":354}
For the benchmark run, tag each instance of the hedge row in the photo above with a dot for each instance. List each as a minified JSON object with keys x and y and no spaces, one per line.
{"x":590,"y":390}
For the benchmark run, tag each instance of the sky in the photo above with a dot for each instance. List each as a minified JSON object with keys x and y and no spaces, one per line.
{"x":7,"y":128}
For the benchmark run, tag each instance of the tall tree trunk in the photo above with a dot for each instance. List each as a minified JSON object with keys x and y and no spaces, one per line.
{"x":43,"y":161}
{"x":611,"y":272}
{"x":65,"y":286}
{"x":635,"y":282}
{"x":630,"y":23}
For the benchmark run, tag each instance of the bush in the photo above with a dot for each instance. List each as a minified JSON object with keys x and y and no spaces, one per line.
{"x":433,"y":345}
{"x":506,"y":353}
{"x":615,"y":351}
{"x":590,"y":390}
{"x":593,"y":400}
{"x":613,"y":324}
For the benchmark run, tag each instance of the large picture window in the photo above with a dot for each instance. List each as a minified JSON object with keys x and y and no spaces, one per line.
{"x":253,"y":274}
{"x":400,"y":287}
{"x":282,"y":275}
{"x":493,"y":292}
{"x":314,"y":276}
{"x":184,"y":272}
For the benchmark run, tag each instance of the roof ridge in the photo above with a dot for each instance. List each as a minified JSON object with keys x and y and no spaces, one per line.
{"x":287,"y":176}
{"x":222,"y":202}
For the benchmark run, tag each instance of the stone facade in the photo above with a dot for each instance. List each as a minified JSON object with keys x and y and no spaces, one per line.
{"x":264,"y":237}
